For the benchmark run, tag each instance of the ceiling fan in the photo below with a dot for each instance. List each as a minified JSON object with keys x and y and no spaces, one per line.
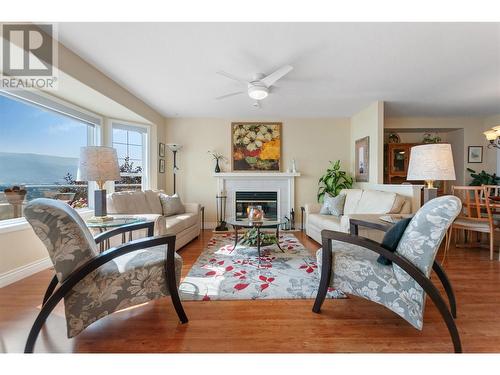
{"x":260,"y":86}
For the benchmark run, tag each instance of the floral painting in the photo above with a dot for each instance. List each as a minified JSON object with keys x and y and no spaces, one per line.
{"x":256,"y":146}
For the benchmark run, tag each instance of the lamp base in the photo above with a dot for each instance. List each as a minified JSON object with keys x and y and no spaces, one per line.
{"x":429,"y":193}
{"x":100,"y":209}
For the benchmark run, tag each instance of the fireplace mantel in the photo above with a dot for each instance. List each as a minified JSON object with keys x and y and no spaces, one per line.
{"x":281,"y":182}
{"x":255,"y":174}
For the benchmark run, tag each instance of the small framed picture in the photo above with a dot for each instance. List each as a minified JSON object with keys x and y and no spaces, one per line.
{"x":161,"y":166}
{"x":475,"y":154}
{"x":161,"y":150}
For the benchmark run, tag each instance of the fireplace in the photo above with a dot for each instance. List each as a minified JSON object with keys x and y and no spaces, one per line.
{"x":268,"y":200}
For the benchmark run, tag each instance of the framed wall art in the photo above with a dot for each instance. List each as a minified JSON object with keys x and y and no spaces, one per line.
{"x":256,"y":146}
{"x":475,"y":154}
{"x":362,"y":157}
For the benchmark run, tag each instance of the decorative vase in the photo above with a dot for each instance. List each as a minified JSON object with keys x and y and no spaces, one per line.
{"x":217,"y":168}
{"x":255,"y":213}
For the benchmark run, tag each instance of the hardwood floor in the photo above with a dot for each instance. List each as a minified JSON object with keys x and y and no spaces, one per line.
{"x":350,"y":325}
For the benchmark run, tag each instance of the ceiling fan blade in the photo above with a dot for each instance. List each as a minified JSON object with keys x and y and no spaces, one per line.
{"x":230,"y":76}
{"x":270,"y":79}
{"x":228,"y":95}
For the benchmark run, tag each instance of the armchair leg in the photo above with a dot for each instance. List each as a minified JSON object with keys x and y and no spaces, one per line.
{"x":172,"y":285}
{"x":326,"y":273}
{"x":447,"y":287}
{"x":47,"y":308}
{"x":445,"y":313}
{"x":52,"y":285}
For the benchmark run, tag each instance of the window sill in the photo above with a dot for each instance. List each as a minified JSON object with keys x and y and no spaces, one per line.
{"x":20,"y":224}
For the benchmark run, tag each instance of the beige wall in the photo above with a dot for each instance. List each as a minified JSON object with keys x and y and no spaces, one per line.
{"x":473,"y":128}
{"x":311,"y":142}
{"x":370,"y":122}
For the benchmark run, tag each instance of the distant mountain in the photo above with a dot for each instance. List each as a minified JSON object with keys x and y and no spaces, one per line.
{"x":21,"y":168}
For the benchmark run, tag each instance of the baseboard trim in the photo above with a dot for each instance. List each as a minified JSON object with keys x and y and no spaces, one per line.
{"x":22,"y":272}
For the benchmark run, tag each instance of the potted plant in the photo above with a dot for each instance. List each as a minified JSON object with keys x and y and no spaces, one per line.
{"x":333,"y":181}
{"x":483,"y":178}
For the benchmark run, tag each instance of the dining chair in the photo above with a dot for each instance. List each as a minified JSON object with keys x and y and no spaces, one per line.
{"x":476,"y":216}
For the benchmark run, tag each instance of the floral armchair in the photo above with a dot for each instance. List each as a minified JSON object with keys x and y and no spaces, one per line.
{"x":95,"y":284}
{"x":349,"y":263}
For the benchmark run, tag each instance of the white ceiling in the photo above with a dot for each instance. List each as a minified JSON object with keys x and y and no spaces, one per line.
{"x":419,"y":69}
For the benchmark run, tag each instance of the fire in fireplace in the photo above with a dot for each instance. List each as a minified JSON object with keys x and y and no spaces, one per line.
{"x":268,"y":200}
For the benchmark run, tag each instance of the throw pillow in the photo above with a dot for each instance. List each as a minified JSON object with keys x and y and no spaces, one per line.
{"x":171,"y":205}
{"x":392,"y":238}
{"x":333,"y":205}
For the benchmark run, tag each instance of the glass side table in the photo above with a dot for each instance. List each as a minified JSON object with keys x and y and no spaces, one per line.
{"x":140,"y":223}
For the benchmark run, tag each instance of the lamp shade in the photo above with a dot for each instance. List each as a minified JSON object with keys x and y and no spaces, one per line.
{"x":98,"y":163}
{"x":174,"y":146}
{"x":431,"y":162}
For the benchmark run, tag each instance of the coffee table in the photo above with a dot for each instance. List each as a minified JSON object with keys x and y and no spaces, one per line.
{"x":237,"y":224}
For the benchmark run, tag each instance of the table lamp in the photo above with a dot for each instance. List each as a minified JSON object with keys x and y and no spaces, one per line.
{"x":431,"y":162}
{"x":99,"y":164}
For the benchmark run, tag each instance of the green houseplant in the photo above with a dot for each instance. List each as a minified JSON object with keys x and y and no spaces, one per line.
{"x":333,"y":181}
{"x":483,"y":178}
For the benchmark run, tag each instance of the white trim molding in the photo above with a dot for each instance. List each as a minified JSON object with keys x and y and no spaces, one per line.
{"x":281,"y":182}
{"x":24,"y":271}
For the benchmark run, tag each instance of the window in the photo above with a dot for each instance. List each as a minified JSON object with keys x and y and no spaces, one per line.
{"x":130,"y":143}
{"x":40,"y":142}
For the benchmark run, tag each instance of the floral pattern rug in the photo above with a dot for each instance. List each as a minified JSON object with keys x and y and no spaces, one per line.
{"x":224,"y":273}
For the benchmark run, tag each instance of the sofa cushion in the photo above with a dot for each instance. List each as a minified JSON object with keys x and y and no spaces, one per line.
{"x":391,"y":239}
{"x":352,"y":197}
{"x":324,"y":221}
{"x":333,"y":205}
{"x":375,"y":202}
{"x":130,"y":202}
{"x":188,"y":218}
{"x":171,"y":205}
{"x":399,"y":201}
{"x":153,"y":199}
{"x":174,"y":225}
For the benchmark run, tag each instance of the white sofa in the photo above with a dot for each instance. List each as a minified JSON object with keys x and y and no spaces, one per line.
{"x":358,"y":201}
{"x":147,"y":204}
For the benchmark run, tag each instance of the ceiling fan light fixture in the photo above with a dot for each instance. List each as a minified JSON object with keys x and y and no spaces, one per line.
{"x":258,"y":92}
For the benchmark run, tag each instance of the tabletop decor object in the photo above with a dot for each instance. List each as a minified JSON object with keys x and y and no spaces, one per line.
{"x":99,"y":164}
{"x":255,"y":213}
{"x":423,"y":166}
{"x":15,"y":196}
{"x":218,"y":158}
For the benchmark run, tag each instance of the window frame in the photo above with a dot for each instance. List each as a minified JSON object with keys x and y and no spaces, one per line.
{"x":48,"y":102}
{"x":146,"y":131}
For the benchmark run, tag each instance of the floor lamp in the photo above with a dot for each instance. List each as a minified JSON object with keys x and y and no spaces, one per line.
{"x":431,"y":162}
{"x":174,"y":147}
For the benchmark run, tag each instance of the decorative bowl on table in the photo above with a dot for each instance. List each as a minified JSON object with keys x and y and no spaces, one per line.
{"x":255,"y":213}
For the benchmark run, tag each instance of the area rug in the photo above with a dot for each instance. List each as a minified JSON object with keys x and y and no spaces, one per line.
{"x":223,"y":272}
